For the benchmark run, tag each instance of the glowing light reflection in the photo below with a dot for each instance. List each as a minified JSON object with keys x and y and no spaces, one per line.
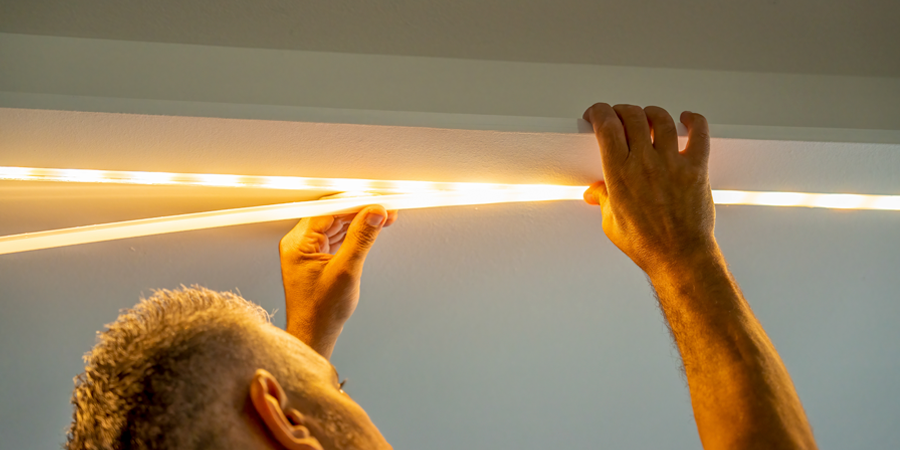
{"x":398,"y":194}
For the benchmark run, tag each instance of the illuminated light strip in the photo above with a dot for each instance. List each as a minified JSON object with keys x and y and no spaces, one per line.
{"x":429,"y":199}
{"x":840,"y":201}
{"x":807,"y":199}
{"x":245,"y":181}
{"x":241,"y":216}
{"x":405,"y":195}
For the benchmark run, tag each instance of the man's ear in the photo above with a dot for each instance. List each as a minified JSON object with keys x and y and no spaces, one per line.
{"x":285,"y":424}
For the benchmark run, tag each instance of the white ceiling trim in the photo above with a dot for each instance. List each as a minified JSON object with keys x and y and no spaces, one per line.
{"x":411,"y":118}
{"x":142,"y":71}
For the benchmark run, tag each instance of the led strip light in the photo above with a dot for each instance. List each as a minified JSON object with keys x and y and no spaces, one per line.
{"x":400,"y":195}
{"x":245,"y":181}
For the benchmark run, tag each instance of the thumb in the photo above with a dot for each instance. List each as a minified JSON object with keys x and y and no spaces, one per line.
{"x":597,"y":194}
{"x":360,"y":237}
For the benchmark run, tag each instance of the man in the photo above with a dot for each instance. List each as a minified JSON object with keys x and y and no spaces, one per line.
{"x":200,"y":369}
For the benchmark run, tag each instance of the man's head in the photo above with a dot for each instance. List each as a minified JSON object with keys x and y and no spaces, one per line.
{"x":195,"y":368}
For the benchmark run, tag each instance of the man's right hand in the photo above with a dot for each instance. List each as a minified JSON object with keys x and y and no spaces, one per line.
{"x":658,"y":209}
{"x":657,"y":203}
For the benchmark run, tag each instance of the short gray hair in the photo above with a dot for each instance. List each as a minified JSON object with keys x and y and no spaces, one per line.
{"x":146,"y":383}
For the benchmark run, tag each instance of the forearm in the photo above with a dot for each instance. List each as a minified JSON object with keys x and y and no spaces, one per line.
{"x":740,"y":390}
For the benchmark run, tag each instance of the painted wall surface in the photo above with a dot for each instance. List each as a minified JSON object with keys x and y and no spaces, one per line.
{"x":507,"y":326}
{"x":516,"y":326}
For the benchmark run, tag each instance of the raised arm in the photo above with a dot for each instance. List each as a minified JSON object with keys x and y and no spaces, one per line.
{"x":321,"y":267}
{"x":658,"y":209}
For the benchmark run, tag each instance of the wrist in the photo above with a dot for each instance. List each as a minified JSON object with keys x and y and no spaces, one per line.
{"x":697,"y":288}
{"x":686,"y":266}
{"x":313,"y":330}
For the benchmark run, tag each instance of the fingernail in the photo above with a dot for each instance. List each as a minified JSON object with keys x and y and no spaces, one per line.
{"x":374,"y":219}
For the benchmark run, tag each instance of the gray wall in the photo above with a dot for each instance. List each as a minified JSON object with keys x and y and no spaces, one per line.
{"x":509,"y":326}
{"x":540,"y":335}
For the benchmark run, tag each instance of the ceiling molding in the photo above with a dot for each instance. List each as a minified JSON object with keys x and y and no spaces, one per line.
{"x":410,"y":118}
{"x":800,"y":36}
{"x":141,"y":71}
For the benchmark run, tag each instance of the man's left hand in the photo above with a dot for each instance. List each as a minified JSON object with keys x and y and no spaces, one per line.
{"x":321,"y":266}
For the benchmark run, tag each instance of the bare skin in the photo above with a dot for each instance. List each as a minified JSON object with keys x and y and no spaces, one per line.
{"x":321,"y":267}
{"x":658,"y":209}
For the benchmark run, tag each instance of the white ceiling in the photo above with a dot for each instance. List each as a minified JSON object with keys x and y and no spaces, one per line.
{"x":504,"y":326}
{"x":843,"y":37}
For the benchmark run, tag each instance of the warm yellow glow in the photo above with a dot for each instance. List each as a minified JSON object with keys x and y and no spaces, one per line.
{"x":807,"y":199}
{"x":240,"y":216}
{"x":218,"y":180}
{"x":150,"y":177}
{"x":15,"y":173}
{"x":512,"y":191}
{"x":398,"y":194}
{"x":842,"y":201}
{"x":81,"y":176}
{"x":891,"y":202}
{"x":778,"y":199}
{"x":228,"y":180}
{"x":730,"y":197}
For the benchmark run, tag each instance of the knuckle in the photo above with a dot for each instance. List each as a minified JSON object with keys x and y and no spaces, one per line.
{"x":659,"y":116}
{"x":366,"y":238}
{"x":650,"y":170}
{"x":285,"y":246}
{"x":609,"y":124}
{"x":628,"y":110}
{"x":666,"y":127}
{"x":631,"y":112}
